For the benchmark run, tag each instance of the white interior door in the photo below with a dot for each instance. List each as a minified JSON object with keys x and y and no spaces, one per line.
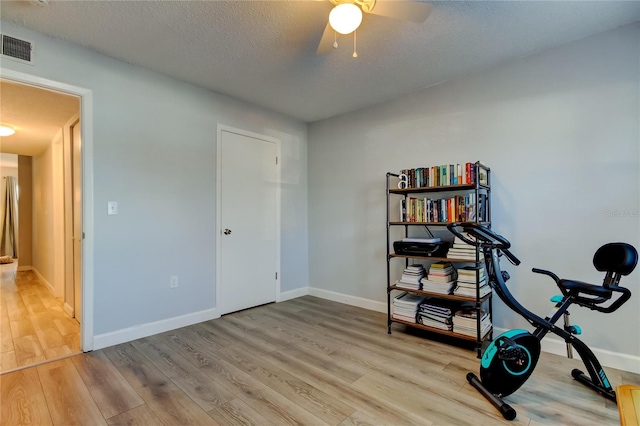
{"x":248,"y":222}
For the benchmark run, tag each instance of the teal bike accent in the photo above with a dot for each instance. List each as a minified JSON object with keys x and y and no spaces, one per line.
{"x":523,"y":371}
{"x":556,"y":299}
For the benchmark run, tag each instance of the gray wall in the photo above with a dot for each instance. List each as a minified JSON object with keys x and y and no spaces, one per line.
{"x":560,"y":131}
{"x":154,"y":153}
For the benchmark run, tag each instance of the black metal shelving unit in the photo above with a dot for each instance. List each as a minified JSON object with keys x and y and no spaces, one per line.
{"x":478,"y":301}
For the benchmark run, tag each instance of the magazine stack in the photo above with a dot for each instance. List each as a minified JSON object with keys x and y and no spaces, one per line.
{"x":411,"y":277}
{"x":440,"y":279}
{"x":465,"y":321}
{"x":405,"y":307}
{"x":462,"y":250}
{"x":470,"y":279}
{"x":436,"y":313}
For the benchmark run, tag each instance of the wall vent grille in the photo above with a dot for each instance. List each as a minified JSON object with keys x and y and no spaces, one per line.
{"x":19,"y":50}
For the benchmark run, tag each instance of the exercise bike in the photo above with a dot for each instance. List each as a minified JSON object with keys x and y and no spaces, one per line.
{"x":510,"y":358}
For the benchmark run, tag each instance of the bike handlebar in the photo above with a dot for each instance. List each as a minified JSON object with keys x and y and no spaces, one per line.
{"x":484,"y":238}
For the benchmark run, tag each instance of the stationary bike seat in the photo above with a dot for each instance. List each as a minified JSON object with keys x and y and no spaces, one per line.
{"x":614,"y":258}
{"x":580,"y":287}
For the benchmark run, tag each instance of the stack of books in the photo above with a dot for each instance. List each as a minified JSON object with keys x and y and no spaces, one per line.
{"x":462,"y":250}
{"x":411,"y":277}
{"x":465,"y":321}
{"x":436,"y":313}
{"x":470,"y":279}
{"x":405,"y":306}
{"x":440,"y":279}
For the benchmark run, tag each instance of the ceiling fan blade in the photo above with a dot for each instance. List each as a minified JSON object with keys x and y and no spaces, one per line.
{"x":326,"y":42}
{"x":404,"y":10}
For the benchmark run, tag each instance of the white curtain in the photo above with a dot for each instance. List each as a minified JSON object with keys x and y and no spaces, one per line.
{"x":9,"y":239}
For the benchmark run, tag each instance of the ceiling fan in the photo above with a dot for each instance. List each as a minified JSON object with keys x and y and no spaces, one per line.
{"x":346,"y":17}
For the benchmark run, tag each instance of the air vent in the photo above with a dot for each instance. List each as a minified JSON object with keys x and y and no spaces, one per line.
{"x":16,"y":49}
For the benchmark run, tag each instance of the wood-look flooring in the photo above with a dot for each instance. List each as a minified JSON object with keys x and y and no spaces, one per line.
{"x":33,"y":325}
{"x":306,"y":361}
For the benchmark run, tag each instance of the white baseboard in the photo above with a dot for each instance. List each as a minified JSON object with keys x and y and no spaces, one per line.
{"x":292,"y":294}
{"x":137,"y":332}
{"x":44,"y":281}
{"x":69,"y":310}
{"x":24,"y":268}
{"x":360,"y":302}
{"x":607,"y":358}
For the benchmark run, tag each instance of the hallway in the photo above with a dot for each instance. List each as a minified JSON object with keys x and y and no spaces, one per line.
{"x":33,"y":325}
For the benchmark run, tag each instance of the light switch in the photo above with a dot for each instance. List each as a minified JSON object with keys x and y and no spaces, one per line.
{"x":112,"y":207}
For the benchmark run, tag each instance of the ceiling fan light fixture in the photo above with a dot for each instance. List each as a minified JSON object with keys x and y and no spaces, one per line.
{"x":345,"y":18}
{"x":6,"y":130}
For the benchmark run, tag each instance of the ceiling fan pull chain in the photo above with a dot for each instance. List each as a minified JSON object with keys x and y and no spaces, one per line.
{"x":355,"y":53}
{"x":335,"y":39}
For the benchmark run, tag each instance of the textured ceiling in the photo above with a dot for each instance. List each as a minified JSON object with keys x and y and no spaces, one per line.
{"x":36,"y":115}
{"x":263,"y":52}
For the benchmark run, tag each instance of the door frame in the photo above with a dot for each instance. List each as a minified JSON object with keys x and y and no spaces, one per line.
{"x":277,"y":142}
{"x":87,"y":246}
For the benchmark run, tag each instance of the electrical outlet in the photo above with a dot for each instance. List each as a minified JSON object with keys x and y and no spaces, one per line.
{"x":173,"y":281}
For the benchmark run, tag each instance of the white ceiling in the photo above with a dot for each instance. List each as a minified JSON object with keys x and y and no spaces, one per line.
{"x":263,"y":52}
{"x":36,"y":115}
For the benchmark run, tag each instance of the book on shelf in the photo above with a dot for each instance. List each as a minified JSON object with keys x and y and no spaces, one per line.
{"x":444,"y":175}
{"x":436,"y":313}
{"x":465,"y":321}
{"x":469,"y":315}
{"x":457,"y":208}
{"x":424,"y":320}
{"x":438,"y":287}
{"x":411,"y":277}
{"x":405,"y":306}
{"x":465,"y":291}
{"x":438,"y":306}
{"x":472,"y":331}
{"x":462,"y":250}
{"x":443,"y":272}
{"x":402,"y":317}
{"x":471,"y":272}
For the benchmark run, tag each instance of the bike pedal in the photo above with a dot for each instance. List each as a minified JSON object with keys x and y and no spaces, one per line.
{"x":573,"y":329}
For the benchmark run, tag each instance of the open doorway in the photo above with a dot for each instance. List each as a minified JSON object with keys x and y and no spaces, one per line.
{"x":39,"y":300}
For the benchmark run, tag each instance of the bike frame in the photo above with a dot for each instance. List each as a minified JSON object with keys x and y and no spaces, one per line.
{"x":597,"y":378}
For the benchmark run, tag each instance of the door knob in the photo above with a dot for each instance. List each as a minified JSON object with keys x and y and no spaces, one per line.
{"x":227,"y":231}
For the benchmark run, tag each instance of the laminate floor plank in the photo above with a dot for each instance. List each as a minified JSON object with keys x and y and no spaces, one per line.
{"x":49,"y":338}
{"x":28,"y":350}
{"x":22,"y":327}
{"x":376,"y":358}
{"x":345,"y":370}
{"x":381,"y":408}
{"x":206,"y":393}
{"x":246,"y":320}
{"x":22,"y":400}
{"x":28,"y":321}
{"x":109,"y":389}
{"x":360,"y":419}
{"x":272,"y":405}
{"x":324,"y":406}
{"x":68,"y":398}
{"x":235,"y":333}
{"x":430,"y":402}
{"x":8,"y":361}
{"x":168,"y":402}
{"x":141,"y":415}
{"x":238,"y":413}
{"x":215,"y":333}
